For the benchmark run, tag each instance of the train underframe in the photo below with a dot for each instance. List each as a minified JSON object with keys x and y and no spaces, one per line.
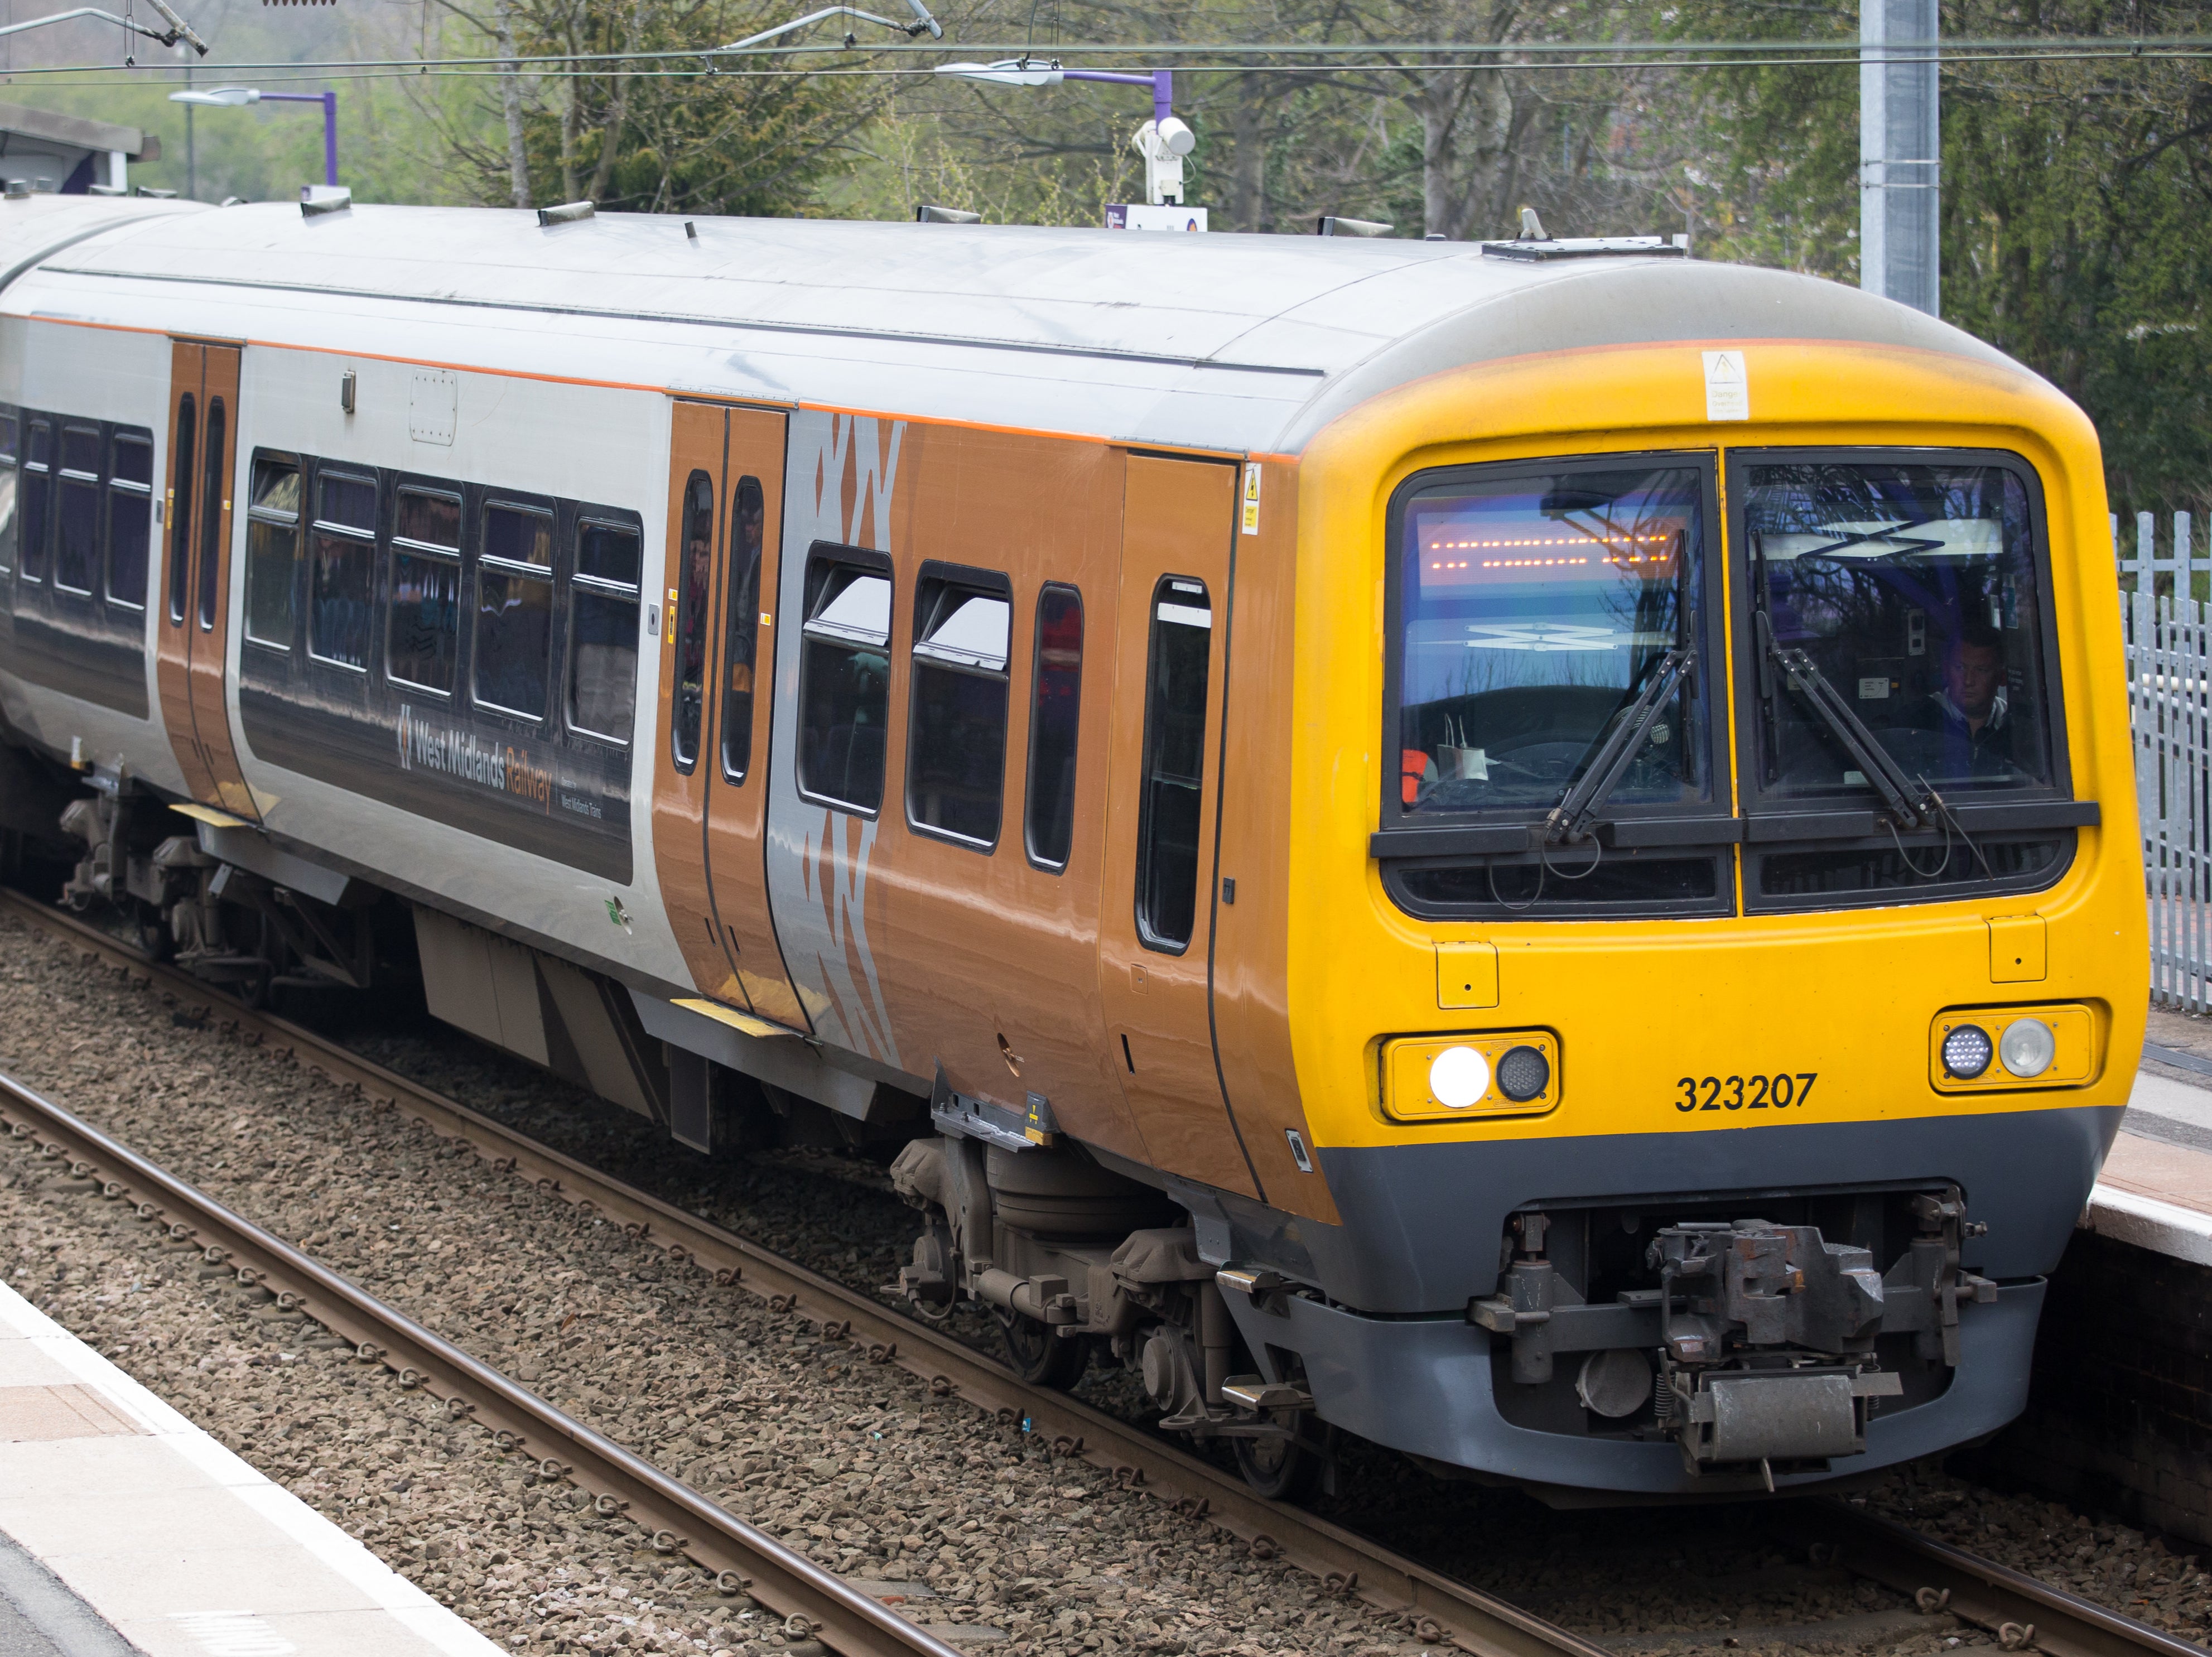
{"x":1740,"y":1335}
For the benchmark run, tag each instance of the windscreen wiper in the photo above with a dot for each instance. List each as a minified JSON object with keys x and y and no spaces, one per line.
{"x":1910,"y":803}
{"x":1571,"y":818}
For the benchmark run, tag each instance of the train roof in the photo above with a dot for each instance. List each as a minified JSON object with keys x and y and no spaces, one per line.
{"x":1236,"y":342}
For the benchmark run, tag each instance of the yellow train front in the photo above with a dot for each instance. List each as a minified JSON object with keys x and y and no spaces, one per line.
{"x":1714,"y":982}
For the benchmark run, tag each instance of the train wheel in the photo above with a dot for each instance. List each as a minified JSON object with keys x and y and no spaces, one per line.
{"x":1279,"y":1469}
{"x":1040,"y":1356}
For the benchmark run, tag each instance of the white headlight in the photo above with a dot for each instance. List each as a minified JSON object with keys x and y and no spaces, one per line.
{"x":2026,"y":1047}
{"x":1458,"y":1077}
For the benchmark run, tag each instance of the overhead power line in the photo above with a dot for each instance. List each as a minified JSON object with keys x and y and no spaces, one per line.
{"x":1218,"y":57}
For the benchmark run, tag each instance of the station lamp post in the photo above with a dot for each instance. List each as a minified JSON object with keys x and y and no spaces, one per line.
{"x":237,"y":97}
{"x":1163,"y":140}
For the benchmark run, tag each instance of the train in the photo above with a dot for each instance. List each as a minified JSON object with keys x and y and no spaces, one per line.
{"x":1495,"y":848}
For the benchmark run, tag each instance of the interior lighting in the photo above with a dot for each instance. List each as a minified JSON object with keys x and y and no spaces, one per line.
{"x":2026,"y":1047}
{"x":1458,"y":1077}
{"x":1967,"y":1051}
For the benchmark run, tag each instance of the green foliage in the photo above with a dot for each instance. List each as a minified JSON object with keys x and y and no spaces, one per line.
{"x":2074,"y":198}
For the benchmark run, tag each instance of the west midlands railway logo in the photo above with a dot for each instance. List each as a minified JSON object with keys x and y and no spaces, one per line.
{"x":459,"y":753}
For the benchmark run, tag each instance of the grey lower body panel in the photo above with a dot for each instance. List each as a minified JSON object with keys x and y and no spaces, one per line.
{"x":1421,"y":1222}
{"x":1424,"y":1385}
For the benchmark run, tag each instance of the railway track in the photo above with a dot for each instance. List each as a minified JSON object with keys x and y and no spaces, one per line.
{"x":2020,"y":1612}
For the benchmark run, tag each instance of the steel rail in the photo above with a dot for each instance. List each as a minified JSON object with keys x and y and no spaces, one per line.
{"x":2025,"y":1613}
{"x":1436,"y":1605}
{"x":682,"y":1520}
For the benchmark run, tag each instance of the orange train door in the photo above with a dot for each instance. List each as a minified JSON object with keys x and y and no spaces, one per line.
{"x":725,"y":487}
{"x":196,"y":519}
{"x":1155,"y":928}
{"x":744,"y":657}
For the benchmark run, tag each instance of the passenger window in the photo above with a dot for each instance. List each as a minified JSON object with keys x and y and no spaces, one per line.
{"x":603,"y":604}
{"x":422,"y":631}
{"x":688,"y":622}
{"x":341,"y":596}
{"x":38,"y":492}
{"x":180,"y":512}
{"x":956,"y":720}
{"x":844,"y":682}
{"x":129,"y":518}
{"x":741,"y":627}
{"x":8,"y":457}
{"x":1169,"y":829}
{"x":272,"y":554}
{"x":212,"y":487}
{"x":1055,"y":704}
{"x":77,"y":551}
{"x":514,"y":612}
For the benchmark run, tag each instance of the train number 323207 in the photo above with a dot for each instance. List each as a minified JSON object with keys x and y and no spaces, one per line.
{"x":1776,"y":1092}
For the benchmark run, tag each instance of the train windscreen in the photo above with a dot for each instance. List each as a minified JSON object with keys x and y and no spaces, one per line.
{"x":1913,"y":589}
{"x":1536,"y":610}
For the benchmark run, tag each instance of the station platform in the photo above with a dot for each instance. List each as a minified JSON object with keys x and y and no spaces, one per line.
{"x":124,"y":1529}
{"x":2155,"y":1189}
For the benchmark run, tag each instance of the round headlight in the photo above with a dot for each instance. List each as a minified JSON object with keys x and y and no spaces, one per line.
{"x":2027,"y":1046}
{"x":1458,"y":1077}
{"x":1523,"y":1073}
{"x":1967,"y":1051}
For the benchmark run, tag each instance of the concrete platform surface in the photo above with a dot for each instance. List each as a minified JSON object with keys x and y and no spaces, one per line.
{"x":2155,"y":1189}
{"x":123,"y":1525}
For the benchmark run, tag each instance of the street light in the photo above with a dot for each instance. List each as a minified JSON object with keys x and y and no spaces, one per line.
{"x":1163,"y":140}
{"x":238,"y":97}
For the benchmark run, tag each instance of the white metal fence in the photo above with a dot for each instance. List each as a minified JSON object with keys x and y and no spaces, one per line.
{"x":2168,"y":639}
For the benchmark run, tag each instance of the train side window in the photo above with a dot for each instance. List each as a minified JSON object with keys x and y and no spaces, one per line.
{"x":130,"y":517}
{"x":37,"y":495}
{"x":213,"y":487}
{"x":688,"y":622}
{"x":76,"y":550}
{"x":741,"y":626}
{"x":272,"y":554}
{"x":1169,"y":829}
{"x":514,"y":610}
{"x":955,"y":763}
{"x":9,"y":452}
{"x":602,"y":605}
{"x":180,"y":510}
{"x":844,"y":679}
{"x":342,"y":576}
{"x":1055,"y":709}
{"x":422,"y":631}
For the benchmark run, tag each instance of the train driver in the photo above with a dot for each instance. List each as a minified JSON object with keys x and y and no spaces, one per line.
{"x":1969,"y":716}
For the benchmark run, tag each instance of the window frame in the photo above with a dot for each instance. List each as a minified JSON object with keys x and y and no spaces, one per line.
{"x":630,"y":524}
{"x":47,"y":472}
{"x":11,"y":454}
{"x":183,"y":497}
{"x":315,"y":524}
{"x":515,"y":502}
{"x":297,"y":522}
{"x":933,"y":583}
{"x":731,"y":552}
{"x":679,"y":614}
{"x":112,"y":484}
{"x":66,"y":478}
{"x":455,"y":555}
{"x":215,"y":485}
{"x":1763,"y":810}
{"x":829,"y":556}
{"x":1201,"y":894}
{"x":1694,"y":829}
{"x":1037,"y":688}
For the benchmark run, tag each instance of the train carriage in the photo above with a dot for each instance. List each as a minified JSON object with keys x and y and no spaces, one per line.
{"x":1498,"y":847}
